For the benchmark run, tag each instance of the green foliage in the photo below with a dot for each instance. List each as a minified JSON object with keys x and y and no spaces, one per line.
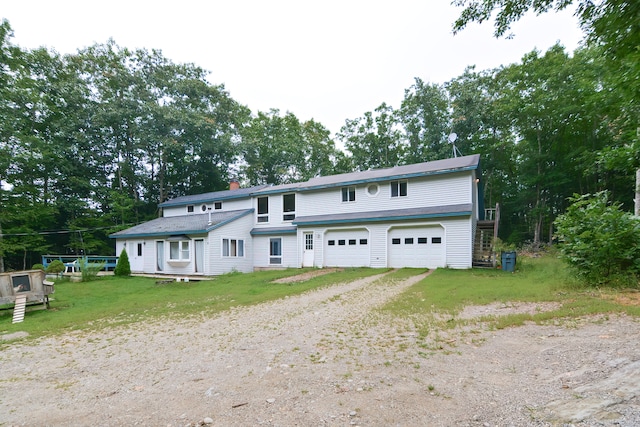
{"x":37,"y":267}
{"x":55,"y":267}
{"x":123,"y":267}
{"x":89,"y":270}
{"x":600,"y":240}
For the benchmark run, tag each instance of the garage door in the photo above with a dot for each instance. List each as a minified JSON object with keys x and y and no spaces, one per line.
{"x":347,"y":248}
{"x":417,"y":247}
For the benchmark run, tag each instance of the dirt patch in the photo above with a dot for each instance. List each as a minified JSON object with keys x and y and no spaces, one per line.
{"x":506,"y":308}
{"x":307,"y":275}
{"x":327,"y":358}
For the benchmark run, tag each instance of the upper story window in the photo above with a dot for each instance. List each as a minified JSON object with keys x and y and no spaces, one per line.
{"x":289,"y":207}
{"x":217,"y":206}
{"x":348,"y":194}
{"x":189,"y":208}
{"x":398,"y":188}
{"x":263,"y":209}
{"x":203,"y":208}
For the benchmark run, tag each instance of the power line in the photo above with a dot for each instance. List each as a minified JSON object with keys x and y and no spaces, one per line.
{"x":45,"y":233}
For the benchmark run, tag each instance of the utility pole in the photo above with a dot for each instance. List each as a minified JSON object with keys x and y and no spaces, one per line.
{"x":637,"y":199}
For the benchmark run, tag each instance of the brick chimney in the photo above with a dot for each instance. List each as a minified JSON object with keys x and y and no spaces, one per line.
{"x":234,"y":184}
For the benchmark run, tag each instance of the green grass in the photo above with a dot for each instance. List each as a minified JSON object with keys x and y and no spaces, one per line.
{"x":112,"y":300}
{"x":536,"y":280}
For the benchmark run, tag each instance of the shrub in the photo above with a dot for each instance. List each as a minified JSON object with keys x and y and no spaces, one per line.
{"x":55,"y":267}
{"x":600,"y":240}
{"x":89,"y":270}
{"x":123,"y":268}
{"x":37,"y":267}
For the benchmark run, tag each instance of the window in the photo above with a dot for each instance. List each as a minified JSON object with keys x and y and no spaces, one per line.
{"x":289,"y":207}
{"x":308,"y":241}
{"x":422,"y":240}
{"x":348,"y":194}
{"x":179,"y":250}
{"x":275,"y":250}
{"x":189,"y":208}
{"x":398,"y":188}
{"x":263,"y":209}
{"x":139,"y":247}
{"x":363,"y":241}
{"x":217,"y":206}
{"x":352,"y":242}
{"x":232,"y":248}
{"x":203,"y":208}
{"x":395,"y":241}
{"x":373,"y":189}
{"x":436,"y":240}
{"x":408,"y":241}
{"x":331,"y":242}
{"x":341,"y":242}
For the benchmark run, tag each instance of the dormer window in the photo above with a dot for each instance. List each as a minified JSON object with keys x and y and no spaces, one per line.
{"x":398,"y":188}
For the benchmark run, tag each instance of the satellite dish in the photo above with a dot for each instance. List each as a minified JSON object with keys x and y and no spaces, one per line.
{"x":452,"y":137}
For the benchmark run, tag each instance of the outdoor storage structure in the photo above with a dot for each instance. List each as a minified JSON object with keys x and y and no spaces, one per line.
{"x":509,"y":261}
{"x":30,"y":283}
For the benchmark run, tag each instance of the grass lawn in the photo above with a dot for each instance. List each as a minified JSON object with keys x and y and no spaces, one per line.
{"x":536,"y":280}
{"x":111,"y":300}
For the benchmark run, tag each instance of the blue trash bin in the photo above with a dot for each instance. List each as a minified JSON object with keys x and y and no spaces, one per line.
{"x":509,"y":261}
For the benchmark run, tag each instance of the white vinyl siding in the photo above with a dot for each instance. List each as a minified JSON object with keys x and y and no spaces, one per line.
{"x":238,"y":230}
{"x":440,"y":190}
{"x":261,"y":251}
{"x":227,"y":205}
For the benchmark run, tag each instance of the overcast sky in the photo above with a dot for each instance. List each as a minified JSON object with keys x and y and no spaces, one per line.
{"x":327,"y":60}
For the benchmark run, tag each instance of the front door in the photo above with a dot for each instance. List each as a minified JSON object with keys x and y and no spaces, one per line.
{"x":307,"y":254}
{"x":136,"y":255}
{"x":199,"y":256}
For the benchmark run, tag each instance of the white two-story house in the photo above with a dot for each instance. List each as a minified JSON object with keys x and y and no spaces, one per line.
{"x":421,"y":215}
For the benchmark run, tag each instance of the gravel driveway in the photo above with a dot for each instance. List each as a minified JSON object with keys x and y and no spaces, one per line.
{"x":327,"y":358}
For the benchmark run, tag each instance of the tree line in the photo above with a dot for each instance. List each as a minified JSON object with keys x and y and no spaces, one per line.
{"x":91,"y":142}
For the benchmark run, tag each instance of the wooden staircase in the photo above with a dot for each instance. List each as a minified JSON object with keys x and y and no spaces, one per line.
{"x":486,"y":233}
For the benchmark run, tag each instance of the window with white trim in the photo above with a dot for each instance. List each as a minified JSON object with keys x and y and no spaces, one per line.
{"x":217,"y":206}
{"x":189,"y":208}
{"x":275,"y":250}
{"x":232,"y":248}
{"x":288,"y":207}
{"x":399,"y":188}
{"x":179,"y":250}
{"x":348,"y":194}
{"x":263,"y":209}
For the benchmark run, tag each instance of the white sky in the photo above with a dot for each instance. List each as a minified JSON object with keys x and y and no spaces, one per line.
{"x":327,"y":60}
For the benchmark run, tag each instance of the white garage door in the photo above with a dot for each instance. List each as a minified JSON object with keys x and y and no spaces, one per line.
{"x":417,"y":247}
{"x":347,"y":248}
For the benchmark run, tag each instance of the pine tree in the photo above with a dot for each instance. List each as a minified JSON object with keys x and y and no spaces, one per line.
{"x":123,"y":268}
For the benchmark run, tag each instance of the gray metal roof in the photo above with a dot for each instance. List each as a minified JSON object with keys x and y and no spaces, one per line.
{"x":182,"y":224}
{"x":213,"y":196}
{"x":390,"y":215}
{"x":419,"y":169}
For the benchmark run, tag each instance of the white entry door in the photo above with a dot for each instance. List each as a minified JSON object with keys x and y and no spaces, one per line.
{"x":199,"y":256}
{"x":135,"y":250}
{"x":307,"y":253}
